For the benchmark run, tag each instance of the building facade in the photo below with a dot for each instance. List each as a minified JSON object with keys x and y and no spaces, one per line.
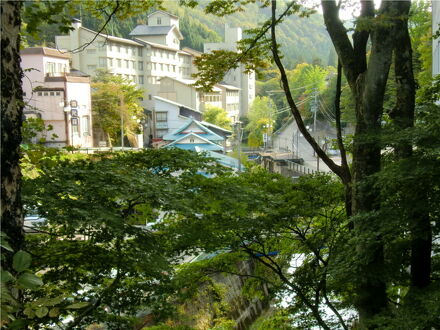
{"x":58,"y":95}
{"x":237,"y":77}
{"x":153,"y":60}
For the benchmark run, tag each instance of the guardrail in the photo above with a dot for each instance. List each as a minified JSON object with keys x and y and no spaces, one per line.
{"x":104,"y":149}
{"x":300,"y":168}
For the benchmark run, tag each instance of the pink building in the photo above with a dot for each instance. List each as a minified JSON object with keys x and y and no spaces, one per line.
{"x":59,"y":95}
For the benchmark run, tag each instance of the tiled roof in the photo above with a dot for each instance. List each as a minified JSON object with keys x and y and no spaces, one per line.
{"x":145,"y":30}
{"x":177,"y":134}
{"x":45,"y":51}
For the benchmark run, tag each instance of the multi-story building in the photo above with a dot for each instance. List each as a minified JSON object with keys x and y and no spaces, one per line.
{"x":154,"y":61}
{"x":58,"y":95}
{"x":236,"y":77}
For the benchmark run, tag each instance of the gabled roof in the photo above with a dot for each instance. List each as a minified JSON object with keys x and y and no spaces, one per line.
{"x":146,"y":30}
{"x":202,"y":142}
{"x":224,"y":130}
{"x":208,"y":134}
{"x":112,"y":38}
{"x":191,"y":83}
{"x":163,"y":12}
{"x":174,"y":103}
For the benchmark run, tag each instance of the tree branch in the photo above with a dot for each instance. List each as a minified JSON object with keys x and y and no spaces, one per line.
{"x":294,"y":109}
{"x":339,"y":37}
{"x":84,"y":46}
{"x":341,"y":146}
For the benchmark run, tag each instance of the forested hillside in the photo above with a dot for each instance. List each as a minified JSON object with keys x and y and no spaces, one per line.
{"x":303,"y":40}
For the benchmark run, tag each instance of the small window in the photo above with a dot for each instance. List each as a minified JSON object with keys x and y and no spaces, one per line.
{"x":119,"y":62}
{"x":159,"y":21}
{"x":40,"y":94}
{"x":141,"y":80}
{"x":161,"y":116}
{"x":85,"y":124}
{"x":126,"y":64}
{"x":57,"y":93}
{"x":139,"y":51}
{"x":91,"y":51}
{"x":46,"y":93}
{"x":52,"y":94}
{"x":150,"y":97}
{"x":140,"y":65}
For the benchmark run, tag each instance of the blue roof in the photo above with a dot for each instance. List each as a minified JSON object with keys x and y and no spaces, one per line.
{"x":180,"y":132}
{"x":221,"y":158}
{"x":206,"y":144}
{"x":193,"y":146}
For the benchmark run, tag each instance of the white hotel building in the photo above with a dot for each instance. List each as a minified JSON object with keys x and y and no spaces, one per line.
{"x":151,"y":55}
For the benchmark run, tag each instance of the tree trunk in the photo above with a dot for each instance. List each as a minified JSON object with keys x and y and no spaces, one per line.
{"x":403,"y":118}
{"x":11,"y":121}
{"x":368,"y":83}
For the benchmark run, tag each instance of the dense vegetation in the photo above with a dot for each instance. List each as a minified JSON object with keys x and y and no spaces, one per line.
{"x":357,"y":250}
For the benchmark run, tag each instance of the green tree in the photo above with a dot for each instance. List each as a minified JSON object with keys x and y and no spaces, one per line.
{"x":96,"y":247}
{"x":261,"y":116}
{"x":217,"y":116}
{"x":386,"y":34}
{"x":115,"y":102}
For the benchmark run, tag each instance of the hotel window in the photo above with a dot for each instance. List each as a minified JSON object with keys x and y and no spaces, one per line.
{"x":127,"y":49}
{"x":50,"y":68}
{"x":141,"y":80}
{"x":140,"y":65}
{"x":133,"y":78}
{"x":119,"y":62}
{"x":110,"y":62}
{"x":102,"y":62}
{"x":159,"y":21}
{"x":139,"y":51}
{"x":46,"y":93}
{"x":52,"y":94}
{"x":161,"y":116}
{"x":40,"y":94}
{"x":119,"y":48}
{"x":133,"y":64}
{"x":126,"y":64}
{"x":85,"y":124}
{"x":57,"y":93}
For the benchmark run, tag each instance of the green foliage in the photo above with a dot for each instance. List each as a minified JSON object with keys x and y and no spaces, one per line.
{"x":272,"y":222}
{"x":217,"y":116}
{"x":262,"y":116}
{"x":96,"y":245}
{"x":20,"y":278}
{"x":114,"y":98}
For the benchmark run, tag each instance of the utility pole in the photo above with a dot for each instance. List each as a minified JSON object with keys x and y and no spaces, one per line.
{"x":122,"y":120}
